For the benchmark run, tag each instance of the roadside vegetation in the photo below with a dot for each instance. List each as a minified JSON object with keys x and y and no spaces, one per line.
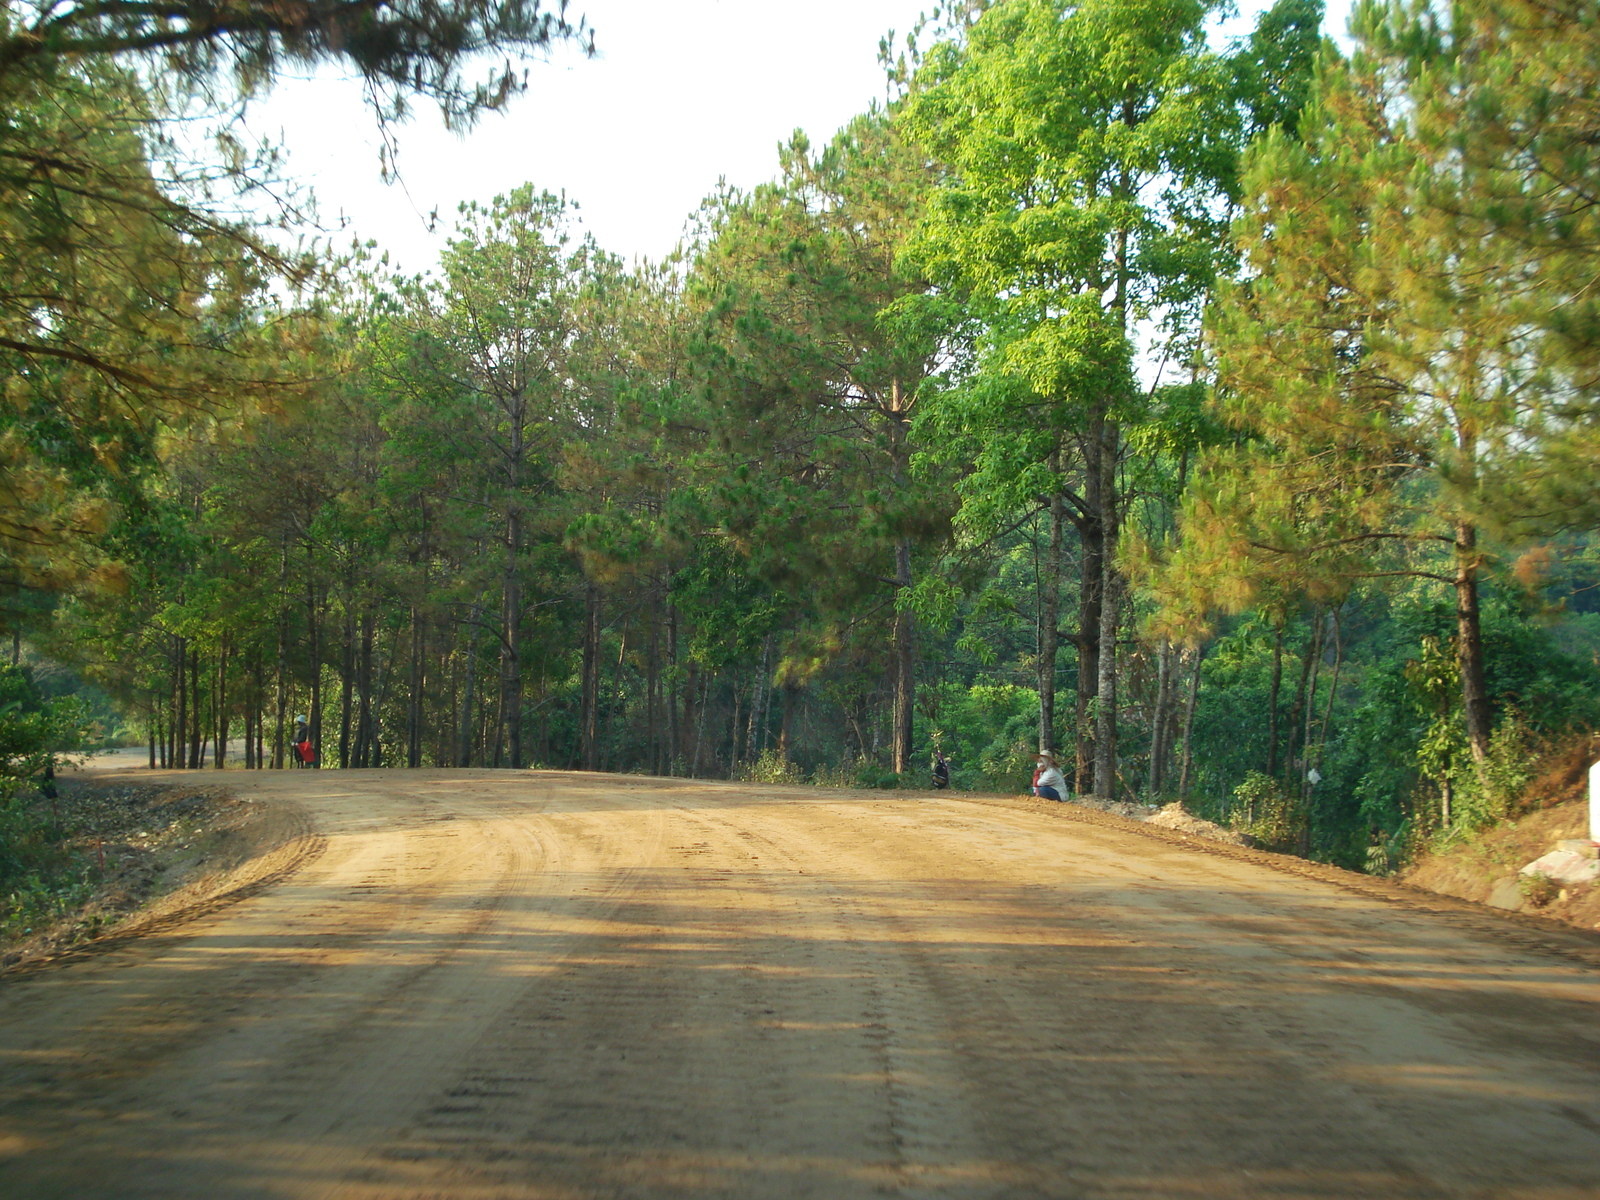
{"x":1218,"y":414}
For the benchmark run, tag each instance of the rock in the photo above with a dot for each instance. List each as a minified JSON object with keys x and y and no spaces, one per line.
{"x":1564,"y":866}
{"x":1580,"y":846}
{"x":1507,"y":893}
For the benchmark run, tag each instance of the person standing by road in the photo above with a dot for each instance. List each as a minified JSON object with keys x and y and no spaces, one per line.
{"x":304,"y":752}
{"x":1048,"y":781}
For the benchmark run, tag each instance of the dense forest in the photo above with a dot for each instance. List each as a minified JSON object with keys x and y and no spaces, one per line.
{"x":1215,"y":412}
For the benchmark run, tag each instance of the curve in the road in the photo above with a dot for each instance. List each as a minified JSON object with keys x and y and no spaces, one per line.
{"x":481,"y":984}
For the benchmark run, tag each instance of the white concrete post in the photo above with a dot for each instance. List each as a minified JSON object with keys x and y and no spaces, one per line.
{"x":1594,"y":803}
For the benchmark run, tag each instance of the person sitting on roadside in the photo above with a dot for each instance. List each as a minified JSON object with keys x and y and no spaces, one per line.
{"x":1048,"y":781}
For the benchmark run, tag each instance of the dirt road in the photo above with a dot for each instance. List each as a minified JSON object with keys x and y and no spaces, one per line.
{"x":483,"y":984}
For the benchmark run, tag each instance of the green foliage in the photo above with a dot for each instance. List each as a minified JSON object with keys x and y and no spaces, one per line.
{"x":40,"y":878}
{"x":34,"y":732}
{"x":1442,"y":750}
{"x":1268,"y":813}
{"x":772,"y":767}
{"x":201,"y":48}
{"x":1490,"y":793}
{"x":843,"y":775}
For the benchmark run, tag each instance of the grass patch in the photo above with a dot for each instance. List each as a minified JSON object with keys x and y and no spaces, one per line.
{"x":44,"y":872}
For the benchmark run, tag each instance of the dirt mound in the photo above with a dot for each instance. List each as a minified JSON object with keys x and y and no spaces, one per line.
{"x":1563,"y":775}
{"x":1485,"y":869}
{"x":1121,"y":808}
{"x":1172,"y":816}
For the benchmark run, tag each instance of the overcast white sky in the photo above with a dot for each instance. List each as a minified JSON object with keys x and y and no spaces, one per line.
{"x":683,"y":93}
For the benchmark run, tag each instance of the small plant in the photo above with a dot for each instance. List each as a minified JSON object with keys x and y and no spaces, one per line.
{"x":1539,"y":890}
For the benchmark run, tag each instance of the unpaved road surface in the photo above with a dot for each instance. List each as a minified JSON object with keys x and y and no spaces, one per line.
{"x":480,"y":984}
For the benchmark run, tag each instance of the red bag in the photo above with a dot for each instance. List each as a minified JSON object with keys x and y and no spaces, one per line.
{"x":305,"y":752}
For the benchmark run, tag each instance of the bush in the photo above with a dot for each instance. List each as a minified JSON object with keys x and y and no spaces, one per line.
{"x":772,"y":767}
{"x":1489,"y":792}
{"x":1265,"y":811}
{"x":846,"y":774}
{"x":35,"y":733}
{"x":40,"y":876}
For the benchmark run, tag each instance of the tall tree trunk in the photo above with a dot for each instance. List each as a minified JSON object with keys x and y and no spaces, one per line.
{"x":652,"y":687}
{"x":516,"y":409}
{"x":687,"y":747}
{"x":786,"y":729}
{"x":150,"y":732}
{"x":197,"y":726}
{"x":905,"y":659}
{"x":1333,"y":684}
{"x":347,"y":669}
{"x":1186,"y":769}
{"x":511,"y":652}
{"x":261,"y":709}
{"x":761,"y":705}
{"x":258,"y":709}
{"x":670,"y":696}
{"x":1105,"y":725}
{"x":282,"y":694}
{"x":1091,"y":590}
{"x":314,"y":651}
{"x":1469,"y":643}
{"x":904,"y":710}
{"x":616,"y":714}
{"x":469,"y":694}
{"x":180,"y":716}
{"x":363,"y":750}
{"x":1049,"y":633}
{"x":696,"y":749}
{"x":1310,"y":716}
{"x":1159,"y":719}
{"x":414,"y":692}
{"x":385,"y":678}
{"x":589,"y":716}
{"x":1272,"y":700}
{"x":1293,"y":767}
{"x":219,"y":759}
